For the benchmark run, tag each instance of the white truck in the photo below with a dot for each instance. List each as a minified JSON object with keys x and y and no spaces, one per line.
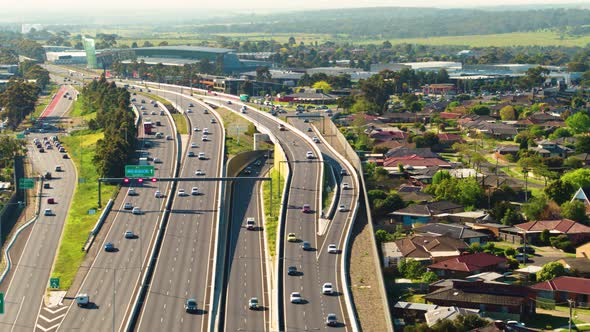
{"x":143,"y":161}
{"x":82,"y":300}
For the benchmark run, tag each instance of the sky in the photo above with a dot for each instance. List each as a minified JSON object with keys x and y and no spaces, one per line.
{"x":64,"y":5}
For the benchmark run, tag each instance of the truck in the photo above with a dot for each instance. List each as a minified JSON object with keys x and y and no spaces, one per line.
{"x":147,"y":127}
{"x":143,"y":161}
{"x":244,"y":98}
{"x":82,"y":300}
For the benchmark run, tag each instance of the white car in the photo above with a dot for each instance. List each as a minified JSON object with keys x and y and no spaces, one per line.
{"x":250,"y":223}
{"x":309,"y":155}
{"x":158,"y":194}
{"x":332,"y":249}
{"x":315,"y":139}
{"x":345,"y":186}
{"x":213,"y":120}
{"x":157,"y":161}
{"x":199,"y":172}
{"x":194,"y":145}
{"x":131,"y":192}
{"x":181,"y":192}
{"x":296,"y":297}
{"x":136,"y":210}
{"x":342,"y":208}
{"x":202,"y":156}
{"x":189,"y":110}
{"x":327,"y":288}
{"x":128,"y":206}
{"x":194,"y":191}
{"x":48,"y":212}
{"x":205,"y":131}
{"x":197,"y":129}
{"x":205,"y":138}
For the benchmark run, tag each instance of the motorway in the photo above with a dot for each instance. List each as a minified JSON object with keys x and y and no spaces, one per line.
{"x":185,"y":265}
{"x":24,"y":297}
{"x":246,"y":271}
{"x":113,"y":277}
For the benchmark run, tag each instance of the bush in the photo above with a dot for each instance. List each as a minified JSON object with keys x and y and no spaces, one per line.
{"x":562,"y":242}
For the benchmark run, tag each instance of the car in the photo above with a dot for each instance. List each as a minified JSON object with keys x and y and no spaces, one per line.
{"x":296,"y":297}
{"x":62,"y":149}
{"x":205,"y":111}
{"x":129,"y":235}
{"x":158,"y":194}
{"x":144,"y":112}
{"x":332,"y":249}
{"x":248,"y":170}
{"x":49,"y":147}
{"x":191,"y":154}
{"x":128,"y":206}
{"x":157,"y":161}
{"x":309,"y":155}
{"x":528,"y":250}
{"x":190,"y":305}
{"x":58,"y":168}
{"x":109,"y":246}
{"x":521,"y":259}
{"x":154,"y":113}
{"x":292,"y":270}
{"x":306,"y":246}
{"x":189,"y":110}
{"x":136,"y":210}
{"x":65,"y":156}
{"x":343,"y":172}
{"x":41,"y":150}
{"x":205,"y":138}
{"x":342,"y":208}
{"x":181,"y":192}
{"x":345,"y":186}
{"x":199,"y":172}
{"x":243,"y":109}
{"x":291,"y":237}
{"x":213,"y":120}
{"x":250,"y":223}
{"x":258,"y":163}
{"x":194,"y":191}
{"x":47,"y":212}
{"x":46,"y":185}
{"x":131,"y":192}
{"x":306,"y":208}
{"x":205,"y":131}
{"x":306,"y":120}
{"x":315,"y":139}
{"x":169,"y":138}
{"x":162,"y":113}
{"x":194,"y":145}
{"x":331,"y":320}
{"x":281,"y":127}
{"x":229,"y":102}
{"x":196,"y":129}
{"x":327,"y":288}
{"x":191,"y":105}
{"x":309,"y":129}
{"x":202,"y":156}
{"x":253,"y":304}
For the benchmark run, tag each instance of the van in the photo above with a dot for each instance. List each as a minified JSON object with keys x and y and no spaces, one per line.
{"x":82,"y":300}
{"x":250,"y":223}
{"x":58,"y":168}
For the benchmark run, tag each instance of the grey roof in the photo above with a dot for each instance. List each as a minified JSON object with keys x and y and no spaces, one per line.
{"x":403,"y":151}
{"x":187,"y":48}
{"x":451,"y":230}
{"x":428,"y":209}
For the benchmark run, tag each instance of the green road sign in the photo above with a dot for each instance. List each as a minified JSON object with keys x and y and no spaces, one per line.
{"x":54,"y":283}
{"x":20,"y":136}
{"x":139,"y":171}
{"x":26,"y":183}
{"x":1,"y":303}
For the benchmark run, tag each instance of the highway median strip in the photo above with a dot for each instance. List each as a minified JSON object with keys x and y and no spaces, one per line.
{"x":271,"y":223}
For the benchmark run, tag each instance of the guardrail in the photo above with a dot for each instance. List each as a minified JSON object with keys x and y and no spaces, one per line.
{"x":17,"y":233}
{"x":98,"y":225}
{"x":141,"y":295}
{"x":335,"y":198}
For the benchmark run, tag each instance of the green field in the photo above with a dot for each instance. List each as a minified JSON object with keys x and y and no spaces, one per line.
{"x":81,"y":146}
{"x":236,"y":138}
{"x":536,"y":38}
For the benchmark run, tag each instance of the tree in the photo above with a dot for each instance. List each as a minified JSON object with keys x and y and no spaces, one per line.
{"x":583,"y":144}
{"x":362,"y":105}
{"x":410,"y":268}
{"x":560,"y":191}
{"x":535,"y":208}
{"x":579,"y":122}
{"x":428,"y":140}
{"x":475,"y":247}
{"x":544,"y":237}
{"x":578,"y":102}
{"x":322,"y":85}
{"x":439,"y":176}
{"x":578,"y":178}
{"x":574,"y":210}
{"x":508,"y":113}
{"x":429,"y":277}
{"x":480,"y":110}
{"x":551,"y":271}
{"x":383,"y":236}
{"x":508,"y":252}
{"x":263,"y":74}
{"x":392,"y":202}
{"x":147,"y":43}
{"x":561,"y":132}
{"x":534,"y":77}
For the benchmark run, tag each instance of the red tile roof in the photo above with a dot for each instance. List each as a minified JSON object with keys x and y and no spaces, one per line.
{"x":449,"y":115}
{"x":469,"y":263}
{"x":565,"y":284}
{"x":414,"y":160}
{"x":449,"y":137}
{"x":563,"y":226}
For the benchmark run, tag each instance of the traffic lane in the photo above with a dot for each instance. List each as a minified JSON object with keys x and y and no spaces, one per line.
{"x":29,"y":280}
{"x":246,"y":259}
{"x":129,"y":257}
{"x":164,"y":293}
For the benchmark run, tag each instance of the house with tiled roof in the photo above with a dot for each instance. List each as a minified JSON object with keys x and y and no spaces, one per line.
{"x":423,"y":213}
{"x":455,"y":231}
{"x":565,"y":288}
{"x":547,"y":148}
{"x":414,"y":161}
{"x":466,"y":265}
{"x":449,"y":115}
{"x":496,"y":300}
{"x":575,"y":231}
{"x":426,"y":249}
{"x":447,"y":139}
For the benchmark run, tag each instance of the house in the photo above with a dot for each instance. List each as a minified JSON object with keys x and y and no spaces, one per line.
{"x":575,"y":231}
{"x":504,"y":150}
{"x":466,"y":265}
{"x":488,"y":227}
{"x":405,"y":152}
{"x":548,"y":149}
{"x":427,"y":249}
{"x":565,"y":288}
{"x":459,"y":232}
{"x":496,"y":300}
{"x":434,"y":316}
{"x":583,"y":195}
{"x":576,"y":266}
{"x":422,"y":213}
{"x":583,"y":251}
{"x":311,"y":96}
{"x":414,"y":161}
{"x":411,"y":193}
{"x":449,"y":139}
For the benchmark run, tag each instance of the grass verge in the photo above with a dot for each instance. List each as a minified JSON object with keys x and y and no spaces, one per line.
{"x":329,"y":186}
{"x":79,"y":223}
{"x":181,"y":124}
{"x":239,"y":132}
{"x":272,"y":222}
{"x":45,"y":100}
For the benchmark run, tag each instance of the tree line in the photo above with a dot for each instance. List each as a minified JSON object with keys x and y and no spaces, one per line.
{"x":115,"y":118}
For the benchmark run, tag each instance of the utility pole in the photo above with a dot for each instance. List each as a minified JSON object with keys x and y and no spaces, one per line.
{"x":571,"y":304}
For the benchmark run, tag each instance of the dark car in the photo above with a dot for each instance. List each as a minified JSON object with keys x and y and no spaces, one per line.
{"x":529,"y":250}
{"x":109,"y":246}
{"x":65,"y":156}
{"x":292,"y":270}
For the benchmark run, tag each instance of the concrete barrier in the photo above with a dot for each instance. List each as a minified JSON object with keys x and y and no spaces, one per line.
{"x":98,"y":225}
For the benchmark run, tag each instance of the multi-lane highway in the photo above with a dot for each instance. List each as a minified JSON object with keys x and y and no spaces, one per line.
{"x":25,"y":286}
{"x":113,"y":276}
{"x":246,"y":269}
{"x":185,"y":267}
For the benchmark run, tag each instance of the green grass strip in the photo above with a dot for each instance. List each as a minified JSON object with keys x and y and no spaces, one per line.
{"x":272,"y":222}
